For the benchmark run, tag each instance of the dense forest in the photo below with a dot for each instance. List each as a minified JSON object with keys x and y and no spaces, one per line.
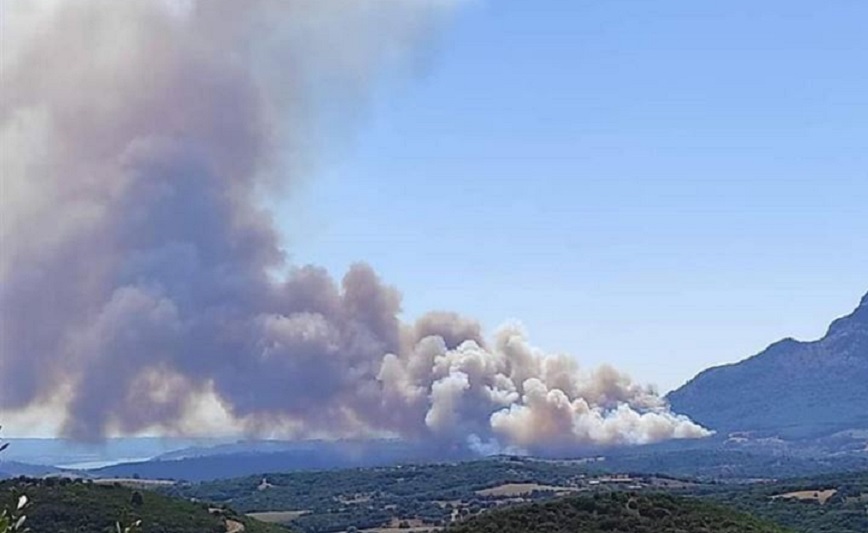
{"x":67,"y":506}
{"x":616,"y":512}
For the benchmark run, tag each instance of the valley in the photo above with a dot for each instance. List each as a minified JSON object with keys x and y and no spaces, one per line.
{"x":444,"y":495}
{"x":500,"y":494}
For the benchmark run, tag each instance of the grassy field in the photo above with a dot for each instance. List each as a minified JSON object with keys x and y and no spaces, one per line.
{"x":521,"y":489}
{"x":277,"y":517}
{"x":135,"y":483}
{"x":819,"y":496}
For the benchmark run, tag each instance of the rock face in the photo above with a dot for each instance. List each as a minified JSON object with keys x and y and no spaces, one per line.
{"x":792,"y":389}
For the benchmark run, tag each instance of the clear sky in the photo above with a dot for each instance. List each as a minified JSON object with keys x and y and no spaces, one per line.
{"x":661,"y":185}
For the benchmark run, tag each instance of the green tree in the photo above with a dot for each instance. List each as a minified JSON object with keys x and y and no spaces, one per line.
{"x":136,"y":499}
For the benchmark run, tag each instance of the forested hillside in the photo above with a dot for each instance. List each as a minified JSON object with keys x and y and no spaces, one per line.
{"x":616,"y":512}
{"x":427,"y":495}
{"x":833,"y":503}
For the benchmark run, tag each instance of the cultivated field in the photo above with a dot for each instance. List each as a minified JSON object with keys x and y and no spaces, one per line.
{"x":277,"y":517}
{"x":821,"y":496}
{"x":510,"y":490}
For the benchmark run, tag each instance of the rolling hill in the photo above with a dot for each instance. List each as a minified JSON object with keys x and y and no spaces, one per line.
{"x":437,"y":494}
{"x":836,"y":503}
{"x":616,"y":512}
{"x":792,"y":389}
{"x":256,"y":457}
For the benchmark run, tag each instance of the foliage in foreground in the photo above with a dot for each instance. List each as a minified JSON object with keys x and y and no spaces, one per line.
{"x":13,"y":521}
{"x":616,"y":512}
{"x":67,"y":506}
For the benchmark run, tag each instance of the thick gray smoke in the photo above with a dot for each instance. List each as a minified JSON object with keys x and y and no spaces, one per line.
{"x":139,"y":272}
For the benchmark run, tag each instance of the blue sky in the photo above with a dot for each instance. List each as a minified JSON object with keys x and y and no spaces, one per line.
{"x":660,"y":185}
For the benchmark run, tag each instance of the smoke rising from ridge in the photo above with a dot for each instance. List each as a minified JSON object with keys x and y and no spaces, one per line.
{"x":137,"y":266}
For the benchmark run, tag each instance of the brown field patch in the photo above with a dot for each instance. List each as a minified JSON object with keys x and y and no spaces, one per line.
{"x":415,"y":529}
{"x":520,"y":489}
{"x":233,"y":526}
{"x":820,"y":496}
{"x":414,"y":525}
{"x":277,"y":517}
{"x":133,"y":483}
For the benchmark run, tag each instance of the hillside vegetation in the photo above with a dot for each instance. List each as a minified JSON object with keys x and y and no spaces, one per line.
{"x":833,"y":503}
{"x":429,"y":495}
{"x":616,"y":512}
{"x":436,"y":495}
{"x":66,"y":506}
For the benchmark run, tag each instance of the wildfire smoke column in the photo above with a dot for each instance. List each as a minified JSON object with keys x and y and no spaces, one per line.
{"x":137,"y":262}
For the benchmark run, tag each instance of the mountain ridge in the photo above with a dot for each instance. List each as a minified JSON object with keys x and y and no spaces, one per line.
{"x":793,"y":388}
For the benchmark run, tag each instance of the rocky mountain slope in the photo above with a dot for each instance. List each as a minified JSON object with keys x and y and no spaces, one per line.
{"x":792,"y":389}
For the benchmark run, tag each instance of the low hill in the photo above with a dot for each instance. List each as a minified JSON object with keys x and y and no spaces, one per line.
{"x":426,"y":496}
{"x":616,"y":512}
{"x":333,"y":501}
{"x":792,"y":389}
{"x":835,"y":503}
{"x":14,"y":469}
{"x":244,"y":459}
{"x":727,"y":462}
{"x":430,"y":496}
{"x":67,"y":506}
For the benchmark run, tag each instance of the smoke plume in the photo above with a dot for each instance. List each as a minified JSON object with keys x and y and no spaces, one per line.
{"x":140,"y":275}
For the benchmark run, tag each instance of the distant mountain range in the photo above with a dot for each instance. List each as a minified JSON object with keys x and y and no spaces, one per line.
{"x":204,"y":462}
{"x":258,"y":457}
{"x":792,"y":390}
{"x":14,"y":469}
{"x":66,"y":453}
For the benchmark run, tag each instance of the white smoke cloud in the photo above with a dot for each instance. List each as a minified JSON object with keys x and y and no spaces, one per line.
{"x":137,"y":269}
{"x":525,"y":398}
